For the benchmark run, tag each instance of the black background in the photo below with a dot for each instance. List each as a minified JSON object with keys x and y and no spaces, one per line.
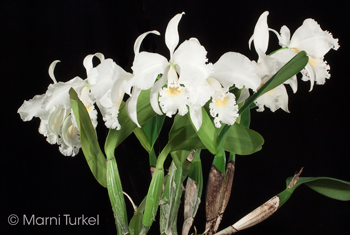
{"x":37,"y":179}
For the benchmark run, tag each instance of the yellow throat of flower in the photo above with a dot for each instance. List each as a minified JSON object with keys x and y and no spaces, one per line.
{"x":174,"y":91}
{"x":313,"y":61}
{"x":221,"y":103}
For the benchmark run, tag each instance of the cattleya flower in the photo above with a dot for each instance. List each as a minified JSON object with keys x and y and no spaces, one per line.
{"x":184,"y":73}
{"x":316,"y":42}
{"x":232,"y":69}
{"x":54,"y":110}
{"x":106,"y":92}
{"x":267,"y":66}
{"x":106,"y":87}
{"x":308,"y":37}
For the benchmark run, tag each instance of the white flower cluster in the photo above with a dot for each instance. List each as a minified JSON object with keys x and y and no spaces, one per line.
{"x":309,"y":37}
{"x":188,"y":81}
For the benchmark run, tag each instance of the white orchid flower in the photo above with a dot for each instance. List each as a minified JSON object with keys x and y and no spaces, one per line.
{"x":267,"y":66}
{"x":106,"y":87}
{"x":184,"y":71}
{"x":54,"y":110}
{"x":231,"y":69}
{"x":106,"y":91}
{"x":316,"y":42}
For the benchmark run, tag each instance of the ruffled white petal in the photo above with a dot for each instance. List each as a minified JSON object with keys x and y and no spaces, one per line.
{"x":312,"y":39}
{"x":273,"y":99}
{"x":236,"y":69}
{"x":33,"y":108}
{"x":199,"y":92}
{"x":109,"y":111}
{"x":316,"y":71}
{"x":108,"y":93}
{"x":45,"y":131}
{"x":174,"y":99}
{"x":57,"y":94}
{"x":107,"y":72}
{"x":224,"y":109}
{"x":67,"y":150}
{"x":191,"y":60}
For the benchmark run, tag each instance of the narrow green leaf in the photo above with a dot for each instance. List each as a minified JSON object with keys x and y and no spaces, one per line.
{"x":89,"y":144}
{"x":330,"y":187}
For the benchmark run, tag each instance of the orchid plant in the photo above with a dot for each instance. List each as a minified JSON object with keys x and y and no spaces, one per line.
{"x":210,"y":105}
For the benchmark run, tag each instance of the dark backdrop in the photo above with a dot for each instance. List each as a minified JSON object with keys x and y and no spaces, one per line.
{"x":37,"y":180}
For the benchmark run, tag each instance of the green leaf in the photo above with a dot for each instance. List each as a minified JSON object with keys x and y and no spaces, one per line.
{"x":89,"y":144}
{"x":245,"y":119}
{"x":243,"y":141}
{"x":136,"y":221}
{"x":294,"y":66}
{"x":152,"y":201}
{"x":149,"y":132}
{"x":329,"y":187}
{"x":153,"y":127}
{"x":182,"y":136}
{"x":116,"y":197}
{"x":142,"y":137}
